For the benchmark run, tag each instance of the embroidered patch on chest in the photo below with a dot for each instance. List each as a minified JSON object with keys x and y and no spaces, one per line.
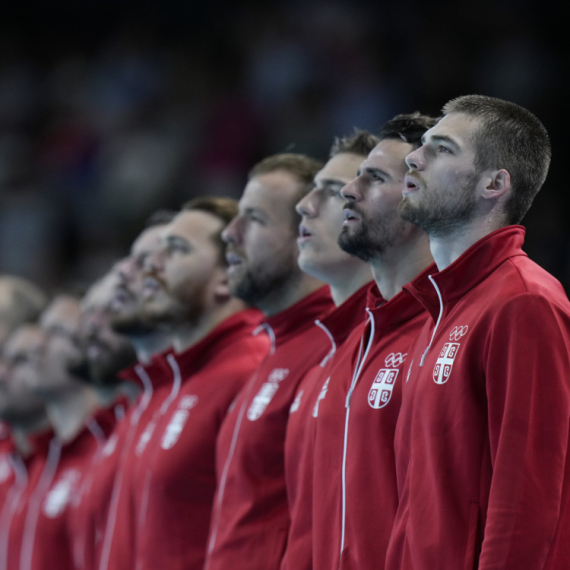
{"x":60,"y":495}
{"x":381,"y":390}
{"x":266,"y":393}
{"x":178,"y":421}
{"x":448,"y":354}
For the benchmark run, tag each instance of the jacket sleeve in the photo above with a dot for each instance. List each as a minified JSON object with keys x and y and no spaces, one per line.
{"x":527,"y":385}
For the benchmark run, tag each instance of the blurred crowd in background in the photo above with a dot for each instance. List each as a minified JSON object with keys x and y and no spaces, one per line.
{"x":110,"y":110}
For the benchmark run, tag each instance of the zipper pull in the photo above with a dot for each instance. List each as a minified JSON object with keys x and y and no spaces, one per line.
{"x":424,"y":356}
{"x":348,"y":397}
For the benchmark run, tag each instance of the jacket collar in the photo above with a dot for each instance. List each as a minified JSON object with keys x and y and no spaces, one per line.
{"x":158,"y":371}
{"x":342,"y":319}
{"x":469,"y":269}
{"x":398,"y":310}
{"x":234,"y":327}
{"x":300,"y":316}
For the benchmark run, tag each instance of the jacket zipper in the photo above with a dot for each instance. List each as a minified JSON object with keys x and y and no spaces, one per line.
{"x":438,"y":319}
{"x":358,"y":370}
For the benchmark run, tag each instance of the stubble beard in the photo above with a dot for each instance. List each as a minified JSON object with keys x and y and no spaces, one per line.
{"x":439,"y":217}
{"x":253,"y":288}
{"x":371,"y":239}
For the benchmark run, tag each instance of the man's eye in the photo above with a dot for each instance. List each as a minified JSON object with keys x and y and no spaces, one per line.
{"x":377,"y":178}
{"x":444,"y":149}
{"x":177,"y":248}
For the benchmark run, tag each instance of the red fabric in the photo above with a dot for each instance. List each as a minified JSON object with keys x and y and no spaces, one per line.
{"x":49,"y":538}
{"x":117,"y":546}
{"x":89,"y":506}
{"x":354,"y":481}
{"x":299,"y":440}
{"x":482,"y":441}
{"x":250,"y":518}
{"x":6,"y":470}
{"x":33,"y":466}
{"x":180,"y":462}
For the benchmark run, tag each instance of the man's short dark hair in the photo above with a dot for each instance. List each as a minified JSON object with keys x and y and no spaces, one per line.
{"x":360,"y":142}
{"x":510,"y":137}
{"x":300,"y":166}
{"x":160,"y":218}
{"x":409,"y":128}
{"x":225,"y":209}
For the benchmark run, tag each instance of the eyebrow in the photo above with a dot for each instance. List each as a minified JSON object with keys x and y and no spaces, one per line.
{"x":379,"y":171}
{"x":441,"y":139}
{"x":331,"y":182}
{"x":176,"y":240}
{"x":254,"y":210}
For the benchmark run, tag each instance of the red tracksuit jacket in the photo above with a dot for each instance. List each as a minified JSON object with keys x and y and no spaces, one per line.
{"x":354,"y":490}
{"x":180,"y":462}
{"x":299,"y":439}
{"x":88,"y":508}
{"x":482,"y":446}
{"x":250,"y":518}
{"x":6,"y":468}
{"x":161,"y":381}
{"x":32,"y":469}
{"x":46,"y":544}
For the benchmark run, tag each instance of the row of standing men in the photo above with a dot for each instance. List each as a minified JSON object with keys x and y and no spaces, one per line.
{"x":355,"y":367}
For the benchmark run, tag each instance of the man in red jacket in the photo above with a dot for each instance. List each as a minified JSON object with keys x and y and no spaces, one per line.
{"x":356,"y":414}
{"x":250,"y":519}
{"x":482,"y":446}
{"x":104,"y":354}
{"x":30,"y":435}
{"x":322,"y":216}
{"x":187,"y":296}
{"x":153,"y":372}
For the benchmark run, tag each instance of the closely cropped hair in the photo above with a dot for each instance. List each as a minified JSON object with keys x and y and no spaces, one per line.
{"x":225,"y":209}
{"x":300,"y":166}
{"x":25,"y":301}
{"x":510,"y":137}
{"x":360,"y":143}
{"x":160,"y":218}
{"x":409,"y":128}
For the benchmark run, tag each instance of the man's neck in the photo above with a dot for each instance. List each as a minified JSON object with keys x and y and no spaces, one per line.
{"x":22,"y":430}
{"x":349,"y":282}
{"x":68,"y":411}
{"x":148,"y":345}
{"x":446,"y":249}
{"x":298,"y":287}
{"x":400,"y":265}
{"x":187,"y":334}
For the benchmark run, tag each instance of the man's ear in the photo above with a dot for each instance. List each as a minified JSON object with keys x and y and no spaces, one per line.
{"x":497,"y":184}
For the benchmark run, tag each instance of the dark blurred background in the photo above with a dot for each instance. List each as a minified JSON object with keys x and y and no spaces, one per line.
{"x":110,"y":110}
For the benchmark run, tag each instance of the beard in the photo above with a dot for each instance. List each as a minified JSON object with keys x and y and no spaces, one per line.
{"x":372,"y":238}
{"x":168,"y":310}
{"x":441,"y":215}
{"x":132,"y":325}
{"x":103,"y":371}
{"x":255,"y":287}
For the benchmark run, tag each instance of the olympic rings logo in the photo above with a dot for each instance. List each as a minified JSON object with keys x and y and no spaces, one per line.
{"x":394,"y":359}
{"x":458,"y":332}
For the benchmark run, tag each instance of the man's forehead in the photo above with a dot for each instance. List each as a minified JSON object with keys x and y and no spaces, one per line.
{"x":458,"y":127}
{"x":100,"y":294}
{"x":191,"y":225}
{"x":388,"y":154}
{"x":341,"y":167}
{"x":63,"y":310}
{"x":147,"y":241}
{"x":25,"y":338}
{"x":271,"y":192}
